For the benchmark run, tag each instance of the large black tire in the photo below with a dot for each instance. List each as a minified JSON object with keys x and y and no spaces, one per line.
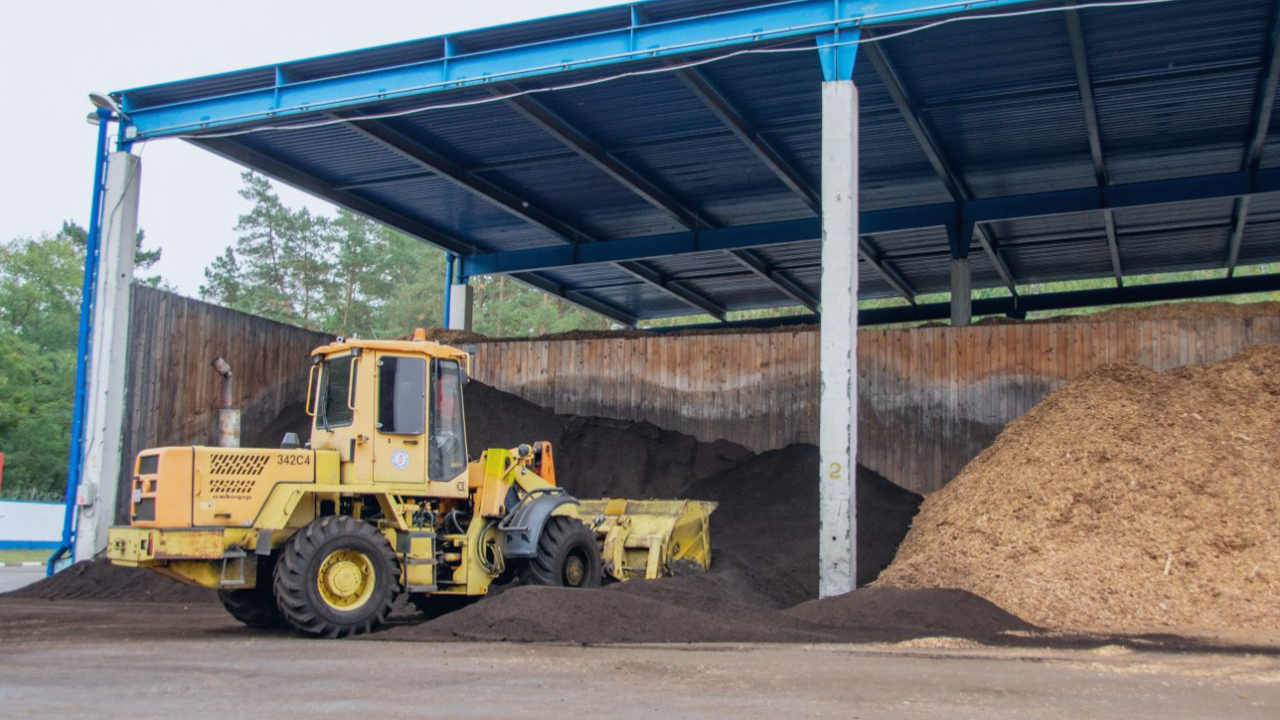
{"x":256,"y":607}
{"x":336,"y":577}
{"x":567,"y":556}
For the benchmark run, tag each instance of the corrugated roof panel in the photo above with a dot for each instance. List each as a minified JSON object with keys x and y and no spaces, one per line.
{"x":228,"y":83}
{"x":738,"y":292}
{"x":1261,"y":243}
{"x":705,"y":169}
{"x":1140,"y":41}
{"x":1174,"y":85}
{"x":589,"y":276}
{"x":335,"y":154}
{"x":770,"y":88}
{"x":789,"y":256}
{"x":683,"y":267}
{"x":584,"y":197}
{"x":486,"y":133}
{"x":543,"y":29}
{"x":1067,"y":261}
{"x":1187,"y":212}
{"x":992,"y":56}
{"x":642,"y":299}
{"x":1132,"y":166}
{"x":1169,"y":251}
{"x":458,"y":212}
{"x":1177,"y":114}
{"x":910,"y":241}
{"x":405,"y":53}
{"x":631,"y":110}
{"x":1049,"y":227}
{"x":1043,"y":132}
{"x":744,"y":209}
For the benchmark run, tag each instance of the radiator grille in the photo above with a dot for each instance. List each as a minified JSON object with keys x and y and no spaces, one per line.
{"x":241,"y":465}
{"x":231,"y":486}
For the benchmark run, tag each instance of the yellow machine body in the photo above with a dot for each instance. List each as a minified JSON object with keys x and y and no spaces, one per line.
{"x":388,"y":448}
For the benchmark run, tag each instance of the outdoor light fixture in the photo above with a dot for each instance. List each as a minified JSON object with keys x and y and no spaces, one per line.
{"x":106,"y":102}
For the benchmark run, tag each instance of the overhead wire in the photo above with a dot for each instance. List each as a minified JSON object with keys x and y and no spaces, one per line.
{"x":670,"y":67}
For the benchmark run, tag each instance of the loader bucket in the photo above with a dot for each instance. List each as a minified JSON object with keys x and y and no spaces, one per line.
{"x":650,"y":538}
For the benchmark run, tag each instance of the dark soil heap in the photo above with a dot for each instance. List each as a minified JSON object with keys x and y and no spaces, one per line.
{"x":764,"y":540}
{"x":1127,"y":500}
{"x":100,"y":580}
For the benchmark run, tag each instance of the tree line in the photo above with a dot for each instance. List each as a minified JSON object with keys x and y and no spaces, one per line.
{"x":348,"y":275}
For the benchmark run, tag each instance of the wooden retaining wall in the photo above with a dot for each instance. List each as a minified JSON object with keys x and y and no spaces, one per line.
{"x":929,"y":399}
{"x":174,"y":392}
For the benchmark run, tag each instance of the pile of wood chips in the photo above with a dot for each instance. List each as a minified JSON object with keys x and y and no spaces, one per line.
{"x":1128,"y":500}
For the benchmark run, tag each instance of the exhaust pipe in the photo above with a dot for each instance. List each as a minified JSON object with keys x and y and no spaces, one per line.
{"x":228,"y":415}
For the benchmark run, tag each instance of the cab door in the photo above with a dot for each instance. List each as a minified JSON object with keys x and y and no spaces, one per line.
{"x":400,"y":421}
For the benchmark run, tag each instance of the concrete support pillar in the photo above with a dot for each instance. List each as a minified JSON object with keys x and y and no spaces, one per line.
{"x":961,"y":292}
{"x":461,"y":304}
{"x":96,"y":497}
{"x":838,"y":432}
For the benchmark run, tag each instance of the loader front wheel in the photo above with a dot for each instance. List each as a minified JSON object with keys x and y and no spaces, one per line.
{"x":337,"y":576}
{"x":567,"y":556}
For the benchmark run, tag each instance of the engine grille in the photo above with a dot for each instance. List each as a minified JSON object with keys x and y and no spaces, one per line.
{"x":235,"y":475}
{"x":228,"y":464}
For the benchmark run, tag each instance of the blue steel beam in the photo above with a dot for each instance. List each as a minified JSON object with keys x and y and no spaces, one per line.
{"x":730,"y":117}
{"x":277,"y":97}
{"x":986,"y":210}
{"x":1263,"y":103}
{"x":933,"y":151}
{"x":1084,"y":82}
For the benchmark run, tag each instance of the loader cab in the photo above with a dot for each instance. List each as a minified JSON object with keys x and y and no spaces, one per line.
{"x":393,"y":412}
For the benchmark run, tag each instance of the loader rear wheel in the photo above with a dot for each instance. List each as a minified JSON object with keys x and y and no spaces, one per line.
{"x":567,"y":556}
{"x":255,"y":608}
{"x":337,"y":576}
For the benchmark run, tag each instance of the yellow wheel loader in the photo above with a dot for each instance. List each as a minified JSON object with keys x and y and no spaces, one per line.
{"x":383,"y":501}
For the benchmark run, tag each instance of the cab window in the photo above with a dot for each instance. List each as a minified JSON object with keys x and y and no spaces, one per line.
{"x":332,"y":409}
{"x":448,"y":456}
{"x":402,"y":397}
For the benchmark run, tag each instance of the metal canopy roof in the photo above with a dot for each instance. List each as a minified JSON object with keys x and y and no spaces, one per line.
{"x":663,"y":158}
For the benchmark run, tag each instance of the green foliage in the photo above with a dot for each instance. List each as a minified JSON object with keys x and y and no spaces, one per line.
{"x":351,"y":276}
{"x":40,"y":284}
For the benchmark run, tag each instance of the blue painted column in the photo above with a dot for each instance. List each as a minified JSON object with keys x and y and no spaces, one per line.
{"x":76,"y":451}
{"x":838,"y":414}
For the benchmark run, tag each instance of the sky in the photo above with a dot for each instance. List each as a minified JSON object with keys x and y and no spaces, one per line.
{"x":54,"y":53}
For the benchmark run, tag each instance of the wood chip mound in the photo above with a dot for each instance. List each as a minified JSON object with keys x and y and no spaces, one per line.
{"x":1128,"y":500}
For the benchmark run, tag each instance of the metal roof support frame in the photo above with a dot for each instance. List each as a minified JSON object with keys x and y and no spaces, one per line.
{"x":629,"y":178}
{"x":724,"y":110}
{"x":933,"y":151}
{"x":432,"y":160}
{"x":1260,"y":123}
{"x":1080,"y":58}
{"x":985,"y":210}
